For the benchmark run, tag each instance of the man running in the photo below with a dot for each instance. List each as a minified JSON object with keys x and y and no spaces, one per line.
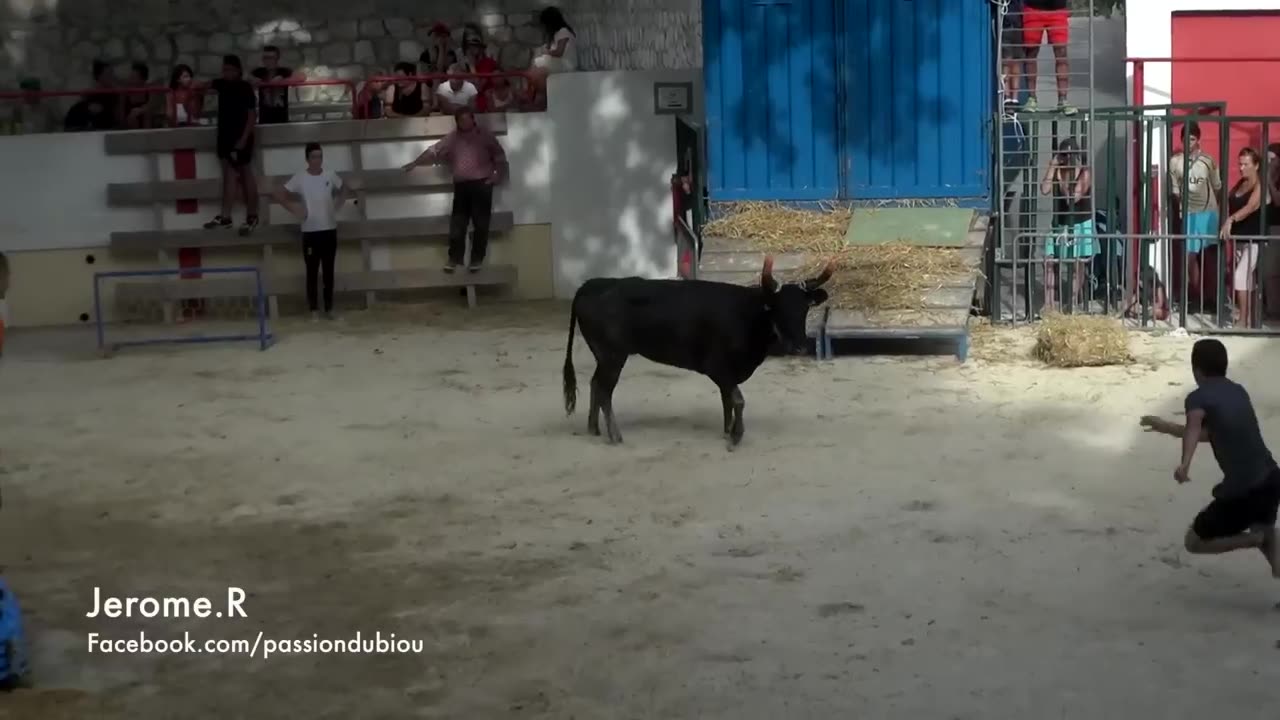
{"x":1242,"y":514}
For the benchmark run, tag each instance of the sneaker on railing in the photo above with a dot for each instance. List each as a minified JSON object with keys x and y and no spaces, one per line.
{"x":1067,"y":108}
{"x":250,"y":224}
{"x":218,"y":221}
{"x":1031,"y":105}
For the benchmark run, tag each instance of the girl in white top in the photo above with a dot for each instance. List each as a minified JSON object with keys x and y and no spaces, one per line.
{"x":560,"y":54}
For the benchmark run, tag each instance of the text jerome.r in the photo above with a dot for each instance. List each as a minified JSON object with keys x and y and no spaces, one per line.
{"x":167,"y":607}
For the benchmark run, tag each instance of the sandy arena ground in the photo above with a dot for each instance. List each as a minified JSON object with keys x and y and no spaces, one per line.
{"x":896,"y":538}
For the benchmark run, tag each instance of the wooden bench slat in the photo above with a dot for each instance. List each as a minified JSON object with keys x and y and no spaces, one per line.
{"x":288,"y":234}
{"x":132,"y":142}
{"x":359,"y":281}
{"x":432,"y":179}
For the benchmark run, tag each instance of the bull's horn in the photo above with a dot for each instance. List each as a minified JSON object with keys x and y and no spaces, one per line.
{"x":766,"y":275}
{"x":823,"y":277}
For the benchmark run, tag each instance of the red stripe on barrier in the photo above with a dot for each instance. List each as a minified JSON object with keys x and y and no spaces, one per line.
{"x":184,"y":168}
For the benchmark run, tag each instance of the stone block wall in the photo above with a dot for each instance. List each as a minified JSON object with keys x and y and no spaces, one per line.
{"x":57,"y":40}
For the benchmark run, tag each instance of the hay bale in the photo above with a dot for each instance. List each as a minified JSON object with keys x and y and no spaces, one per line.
{"x":891,"y":276}
{"x":776,"y":228}
{"x":1070,"y":341}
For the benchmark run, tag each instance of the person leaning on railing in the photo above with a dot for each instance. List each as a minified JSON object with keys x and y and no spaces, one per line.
{"x":1244,"y":204}
{"x":186,"y":97}
{"x":32,"y":114}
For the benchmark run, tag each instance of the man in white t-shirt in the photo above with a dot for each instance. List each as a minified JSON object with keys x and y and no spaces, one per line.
{"x":321,"y":193}
{"x":456,"y":93}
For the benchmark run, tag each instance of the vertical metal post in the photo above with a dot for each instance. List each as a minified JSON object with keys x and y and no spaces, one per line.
{"x":97,"y":309}
{"x":260,"y":301}
{"x":1224,"y":249}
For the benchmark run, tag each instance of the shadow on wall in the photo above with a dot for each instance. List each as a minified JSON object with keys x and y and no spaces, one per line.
{"x":892,"y":73}
{"x":605,"y":160}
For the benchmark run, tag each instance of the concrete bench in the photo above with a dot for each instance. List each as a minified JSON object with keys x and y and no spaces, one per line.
{"x":294,"y":285}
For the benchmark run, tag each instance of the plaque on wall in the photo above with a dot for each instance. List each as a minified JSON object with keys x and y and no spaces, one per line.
{"x":672,"y":98}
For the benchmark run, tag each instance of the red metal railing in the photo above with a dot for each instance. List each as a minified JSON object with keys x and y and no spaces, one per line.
{"x":361,"y":93}
{"x":152,"y":90}
{"x":483,"y":82}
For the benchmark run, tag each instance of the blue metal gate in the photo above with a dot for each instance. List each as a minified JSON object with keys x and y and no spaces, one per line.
{"x":860,"y":99}
{"x":770,"y":84}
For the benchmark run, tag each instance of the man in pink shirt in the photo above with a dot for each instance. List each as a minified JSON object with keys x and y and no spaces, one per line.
{"x":477,"y":162}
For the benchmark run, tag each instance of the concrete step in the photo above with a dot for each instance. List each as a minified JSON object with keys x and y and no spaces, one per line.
{"x":753,"y":261}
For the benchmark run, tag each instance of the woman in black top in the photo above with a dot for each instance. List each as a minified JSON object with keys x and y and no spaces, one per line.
{"x":1244,"y":205}
{"x":407,"y":97}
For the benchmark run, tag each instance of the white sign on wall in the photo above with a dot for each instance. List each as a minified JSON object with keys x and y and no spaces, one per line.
{"x":672,"y":98}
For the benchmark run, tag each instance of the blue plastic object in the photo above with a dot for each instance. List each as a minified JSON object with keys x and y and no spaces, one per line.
{"x":13,"y":659}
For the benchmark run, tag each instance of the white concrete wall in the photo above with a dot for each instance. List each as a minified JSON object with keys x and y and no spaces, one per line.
{"x":612,"y":160}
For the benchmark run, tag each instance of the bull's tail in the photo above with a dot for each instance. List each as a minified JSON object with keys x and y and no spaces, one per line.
{"x":570,"y":378}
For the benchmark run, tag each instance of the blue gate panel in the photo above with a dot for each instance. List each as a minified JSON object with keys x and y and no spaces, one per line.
{"x":918,"y":98}
{"x":771,"y":110}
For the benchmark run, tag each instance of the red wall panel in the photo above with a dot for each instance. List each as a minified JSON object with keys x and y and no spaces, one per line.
{"x":1248,"y":88}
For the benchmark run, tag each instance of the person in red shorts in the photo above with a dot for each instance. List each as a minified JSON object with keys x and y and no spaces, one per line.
{"x":1051,"y":18}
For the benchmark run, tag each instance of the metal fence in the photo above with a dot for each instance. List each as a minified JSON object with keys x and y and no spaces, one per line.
{"x":1174,"y":261}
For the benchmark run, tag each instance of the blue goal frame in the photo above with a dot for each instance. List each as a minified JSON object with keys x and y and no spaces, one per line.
{"x":263,"y":336}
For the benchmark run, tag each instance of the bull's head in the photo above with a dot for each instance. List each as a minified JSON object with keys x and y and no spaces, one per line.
{"x":788,"y":304}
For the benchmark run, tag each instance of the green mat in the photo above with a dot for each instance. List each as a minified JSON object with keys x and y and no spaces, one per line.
{"x":925,"y":227}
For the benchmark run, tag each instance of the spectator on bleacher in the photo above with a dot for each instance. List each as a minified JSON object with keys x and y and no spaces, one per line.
{"x":237,"y":117}
{"x":440,"y":53}
{"x":500,"y":97}
{"x":185,"y":100}
{"x":97,"y":110}
{"x":32,"y":114}
{"x":1244,"y":204}
{"x":322,"y":193}
{"x":560,"y":54}
{"x":457,"y":93}
{"x":1199,"y":171}
{"x":408,"y":97}
{"x":475,"y":57}
{"x":1051,"y":18}
{"x":477,"y":163}
{"x":273,"y":102}
{"x":1069,"y":181}
{"x":140,"y":109}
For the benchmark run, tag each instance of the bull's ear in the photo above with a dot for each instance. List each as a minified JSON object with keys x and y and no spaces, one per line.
{"x":766,"y":276}
{"x":816,"y":297}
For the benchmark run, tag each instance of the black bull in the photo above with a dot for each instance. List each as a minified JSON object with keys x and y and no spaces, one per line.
{"x":716,"y":329}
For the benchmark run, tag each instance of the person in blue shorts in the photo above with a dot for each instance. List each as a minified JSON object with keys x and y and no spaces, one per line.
{"x":1242,"y":514}
{"x":1069,"y":182}
{"x":1198,"y":171}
